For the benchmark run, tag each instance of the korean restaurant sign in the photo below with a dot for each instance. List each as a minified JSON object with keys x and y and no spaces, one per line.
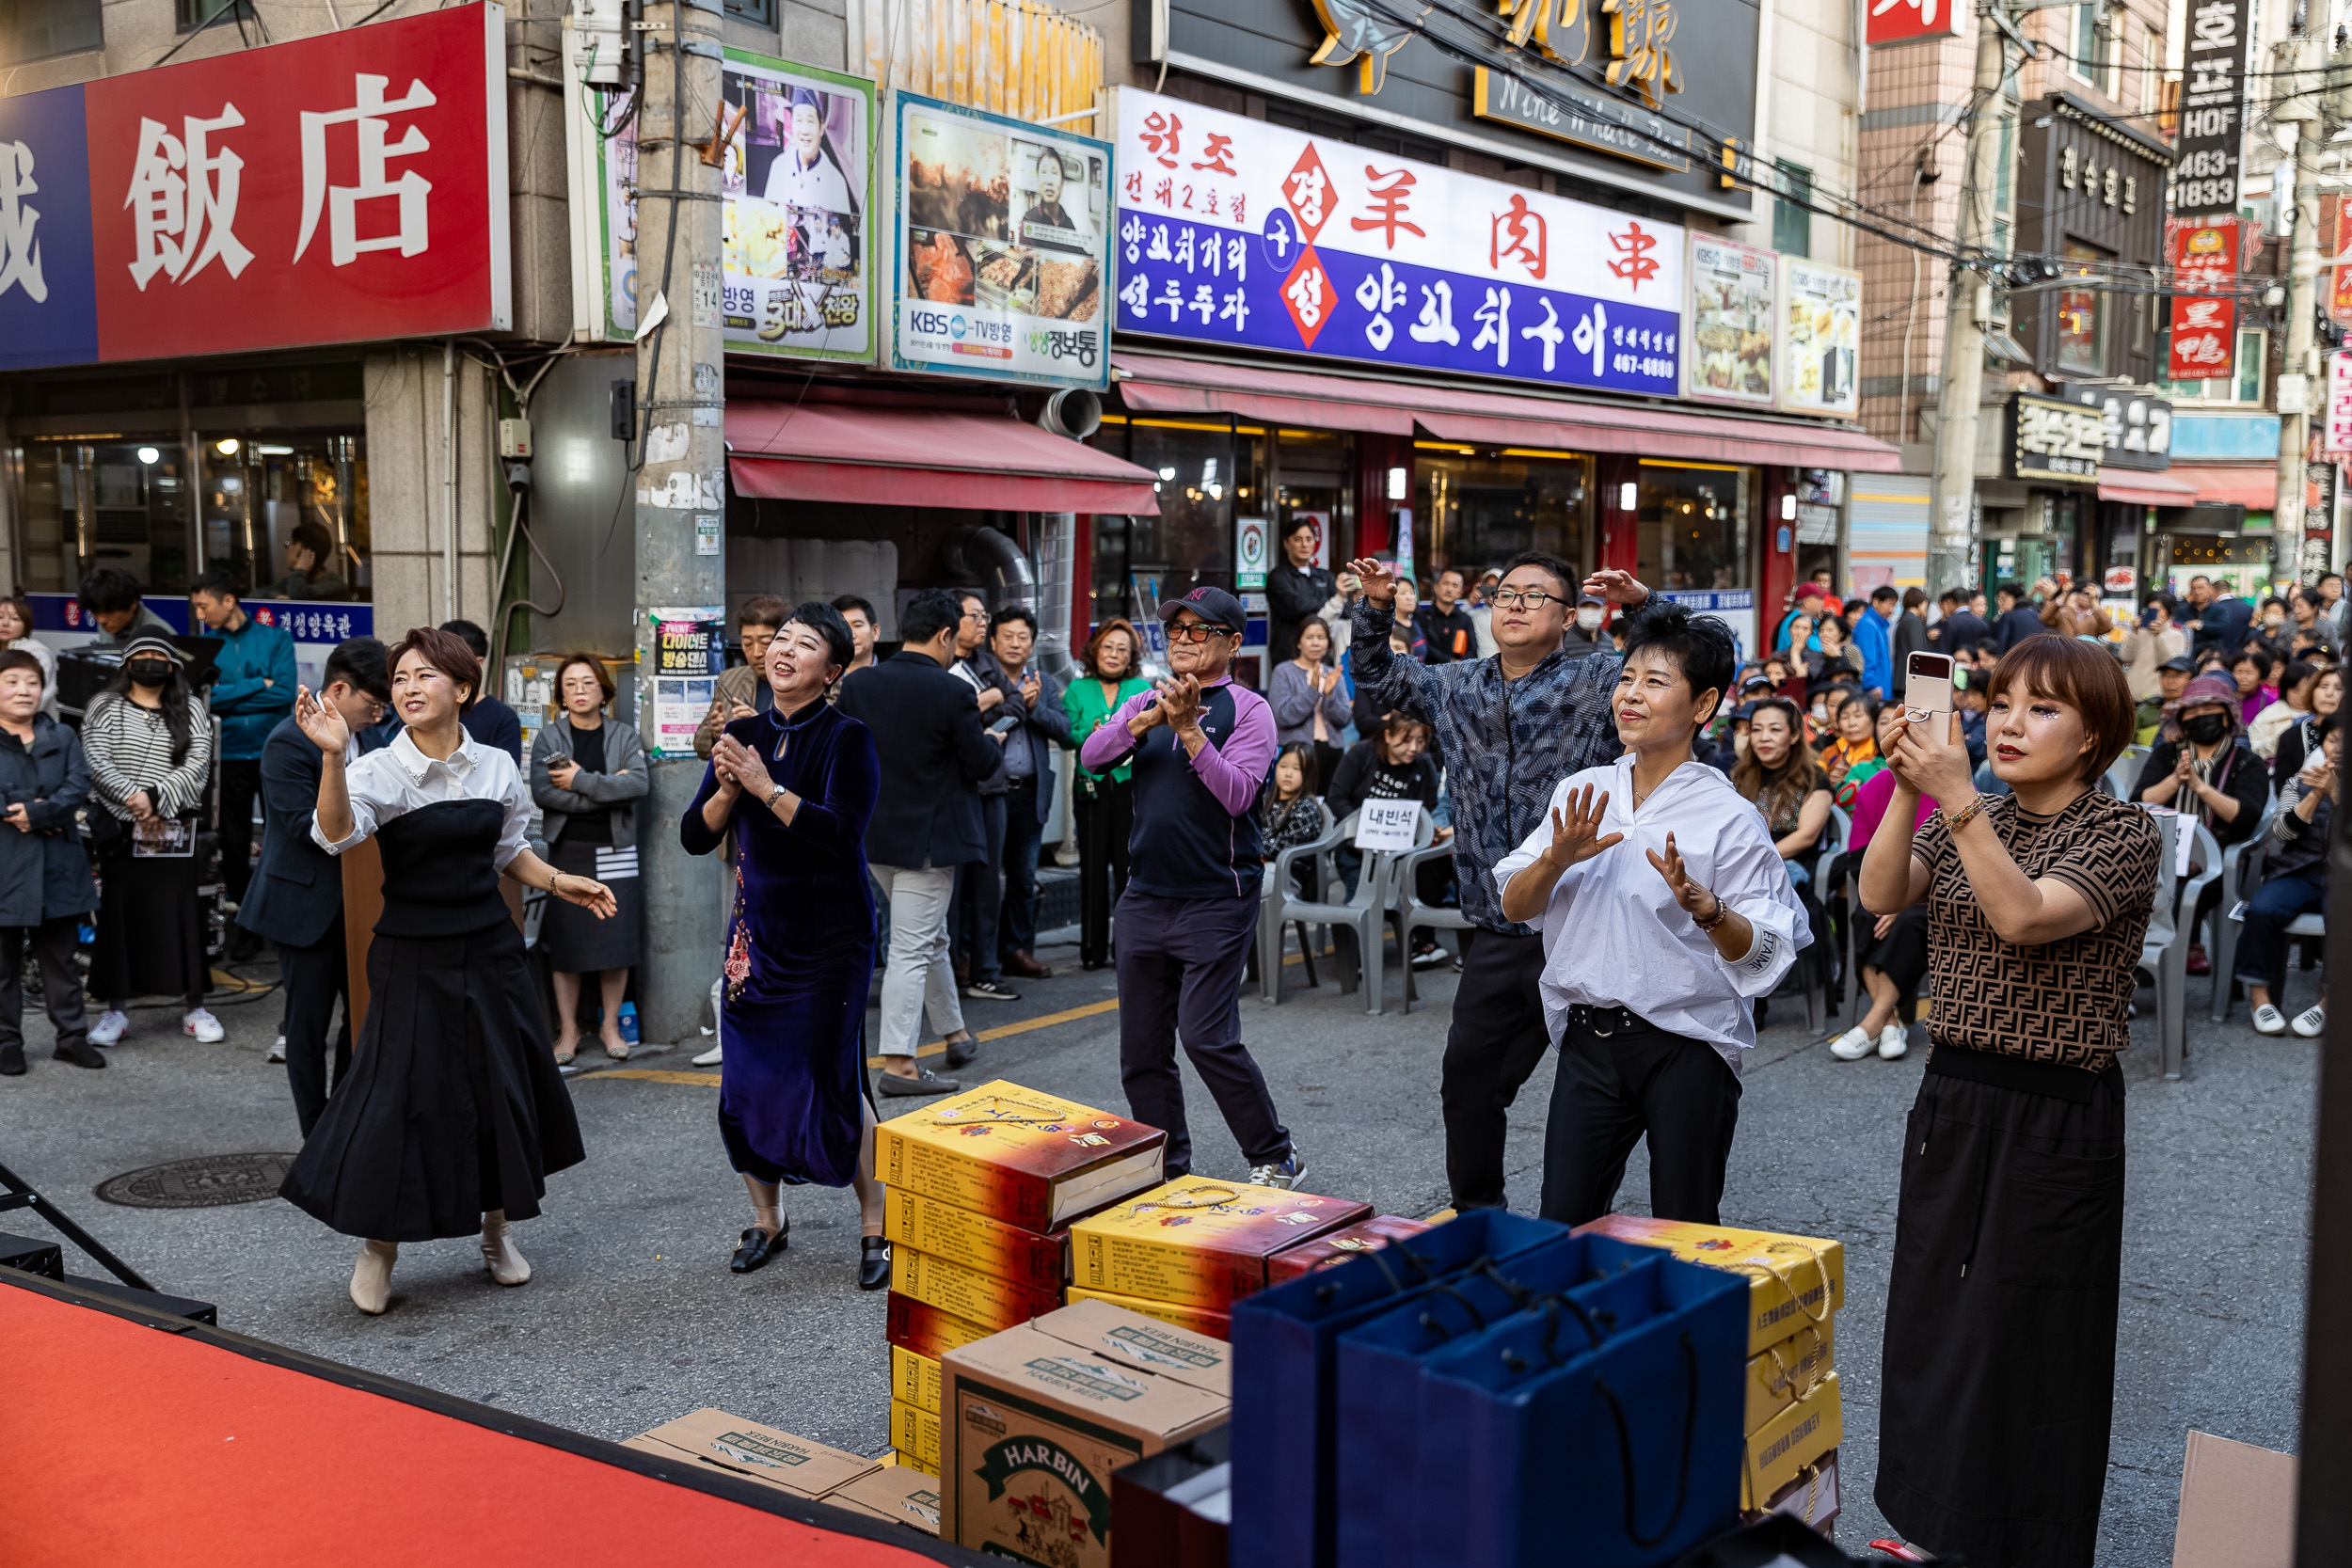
{"x":343,"y":188}
{"x":2052,"y":439}
{"x":2336,"y":438}
{"x":2138,"y":430}
{"x":2212,"y":141}
{"x":1911,"y":20}
{"x":2203,"y":338}
{"x":1239,"y":232}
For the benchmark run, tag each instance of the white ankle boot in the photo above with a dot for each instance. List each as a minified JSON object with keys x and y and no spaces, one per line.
{"x":498,"y":1253}
{"x":372,"y":1276}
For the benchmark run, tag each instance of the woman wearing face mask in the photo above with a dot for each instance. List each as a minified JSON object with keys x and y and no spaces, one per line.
{"x":2201,"y":764}
{"x":2294,"y":883}
{"x":453,"y":1115}
{"x":587,"y":773}
{"x":150,"y":744}
{"x":2294,"y":741}
{"x":16,"y":631}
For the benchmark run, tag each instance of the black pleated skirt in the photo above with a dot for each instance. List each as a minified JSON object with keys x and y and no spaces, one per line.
{"x":1999,"y":1360}
{"x":150,"y":930}
{"x":452,"y":1106}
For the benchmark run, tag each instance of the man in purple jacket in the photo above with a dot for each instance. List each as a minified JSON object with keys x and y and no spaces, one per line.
{"x":1201,"y":747}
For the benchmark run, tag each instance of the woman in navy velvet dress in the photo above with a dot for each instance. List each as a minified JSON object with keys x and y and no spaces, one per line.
{"x":451,"y":1114}
{"x":795,"y":786}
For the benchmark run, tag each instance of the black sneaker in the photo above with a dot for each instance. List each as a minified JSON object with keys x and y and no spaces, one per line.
{"x":11,"y":1061}
{"x":1429,"y":957}
{"x":924,"y":1082}
{"x":990,"y":990}
{"x":80,"y":1052}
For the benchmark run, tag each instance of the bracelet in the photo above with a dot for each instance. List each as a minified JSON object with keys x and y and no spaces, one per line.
{"x":1968,"y":814}
{"x":554,"y":880}
{"x":1721,"y":909}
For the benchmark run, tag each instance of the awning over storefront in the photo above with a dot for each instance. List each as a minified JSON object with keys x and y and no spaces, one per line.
{"x":868,"y":456}
{"x":2255,"y":488}
{"x":1156,"y":384}
{"x":2144,"y":489}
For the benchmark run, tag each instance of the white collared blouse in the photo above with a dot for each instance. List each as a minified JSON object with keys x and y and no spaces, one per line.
{"x":399,"y":779}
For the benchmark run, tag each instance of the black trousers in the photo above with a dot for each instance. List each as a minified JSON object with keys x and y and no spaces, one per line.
{"x":1016,"y":925}
{"x":60,"y":981}
{"x":1179,"y":964}
{"x":1611,"y":1090}
{"x":1497,"y":1040}
{"x":316,"y":977}
{"x":1998,"y":1369}
{"x":980,"y":897}
{"x":1105,"y":823}
{"x":240,"y":784}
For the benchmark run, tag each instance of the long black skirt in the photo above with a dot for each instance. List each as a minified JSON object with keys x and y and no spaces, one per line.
{"x":1999,"y":1360}
{"x":150,"y":931}
{"x":452,"y":1106}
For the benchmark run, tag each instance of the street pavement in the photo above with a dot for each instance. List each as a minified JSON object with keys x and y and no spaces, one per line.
{"x":632,"y":1317}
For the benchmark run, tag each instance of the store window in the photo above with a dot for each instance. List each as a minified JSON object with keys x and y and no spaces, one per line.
{"x":1792,"y":210}
{"x":1315,"y":475}
{"x":2082,"y":345}
{"x":1477,"y":509}
{"x":36,"y":29}
{"x":1206,"y":471}
{"x":286,"y":513}
{"x":1694,"y":524}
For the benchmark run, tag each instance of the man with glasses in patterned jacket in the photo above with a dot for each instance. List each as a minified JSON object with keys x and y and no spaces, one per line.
{"x":1508,"y":730}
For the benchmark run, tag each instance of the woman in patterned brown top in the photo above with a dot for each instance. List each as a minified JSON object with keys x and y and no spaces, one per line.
{"x":1999,"y":1356}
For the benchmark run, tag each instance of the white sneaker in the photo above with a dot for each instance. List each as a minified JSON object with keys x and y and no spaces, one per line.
{"x":2310,"y":1022}
{"x":2267,"y":1021}
{"x":1894,"y":1040}
{"x":1854,"y":1044}
{"x":199,"y":1023}
{"x":110,"y":1028}
{"x":277,"y":1052}
{"x":710,"y":1057}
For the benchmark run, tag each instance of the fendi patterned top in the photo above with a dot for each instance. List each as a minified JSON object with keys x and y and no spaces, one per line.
{"x":2063,"y":1002}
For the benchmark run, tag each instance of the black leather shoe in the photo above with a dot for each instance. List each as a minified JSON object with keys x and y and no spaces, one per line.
{"x":11,"y":1061}
{"x":873,"y":1262}
{"x":80,"y":1052}
{"x":758,"y":1246}
{"x":962,"y":1051}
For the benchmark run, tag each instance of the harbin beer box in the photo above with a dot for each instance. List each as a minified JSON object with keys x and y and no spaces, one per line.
{"x":758,"y":1452}
{"x":1028,"y":1160}
{"x":897,"y":1492}
{"x":1034,"y":1421}
{"x":1195,"y":1243}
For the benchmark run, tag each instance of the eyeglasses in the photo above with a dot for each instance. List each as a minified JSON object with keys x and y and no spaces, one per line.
{"x":1533,"y":599}
{"x":1197,"y":631}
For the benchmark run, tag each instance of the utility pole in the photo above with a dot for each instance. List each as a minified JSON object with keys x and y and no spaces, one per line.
{"x":681,"y":486}
{"x":2298,"y":63}
{"x":1962,"y":388}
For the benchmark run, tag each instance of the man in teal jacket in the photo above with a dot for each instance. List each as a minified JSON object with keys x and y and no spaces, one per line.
{"x":256,"y":690}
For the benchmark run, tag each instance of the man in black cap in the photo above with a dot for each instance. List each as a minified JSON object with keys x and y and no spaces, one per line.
{"x":1585,"y":637}
{"x":2172,"y":677}
{"x":1186,"y":921}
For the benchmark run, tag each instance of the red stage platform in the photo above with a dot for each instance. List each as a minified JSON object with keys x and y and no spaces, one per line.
{"x":141,"y":1438}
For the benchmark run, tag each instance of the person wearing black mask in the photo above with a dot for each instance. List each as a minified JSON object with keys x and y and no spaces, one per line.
{"x":150,"y":744}
{"x":2201,"y":765}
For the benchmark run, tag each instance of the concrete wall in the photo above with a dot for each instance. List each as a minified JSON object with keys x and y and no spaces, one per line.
{"x":409,"y":502}
{"x":1806,"y":111}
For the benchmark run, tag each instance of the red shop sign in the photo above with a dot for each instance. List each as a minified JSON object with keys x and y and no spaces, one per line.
{"x":1912,"y":20}
{"x":334,"y":189}
{"x":2204,"y":329}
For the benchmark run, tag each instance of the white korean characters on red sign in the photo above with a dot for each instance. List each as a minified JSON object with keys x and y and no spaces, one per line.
{"x":2340,"y":403}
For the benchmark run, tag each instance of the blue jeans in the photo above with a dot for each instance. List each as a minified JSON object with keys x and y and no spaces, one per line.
{"x":1016,"y":931}
{"x":2262,"y":950}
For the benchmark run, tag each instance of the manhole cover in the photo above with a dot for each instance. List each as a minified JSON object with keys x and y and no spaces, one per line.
{"x":208,"y":1181}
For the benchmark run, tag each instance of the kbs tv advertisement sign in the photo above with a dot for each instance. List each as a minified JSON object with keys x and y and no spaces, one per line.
{"x":2203,"y":328}
{"x":343,"y":188}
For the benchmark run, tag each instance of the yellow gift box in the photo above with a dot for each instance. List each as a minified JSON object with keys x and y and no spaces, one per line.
{"x":967,"y":1293}
{"x":1198,"y":1243}
{"x":1029,"y":1159}
{"x":1795,"y":1281}
{"x":1782,"y":1374}
{"x":899,"y":1456}
{"x":916,"y":1434}
{"x":1199,"y":1320}
{"x":1781,"y":1449}
{"x":914,"y":1379}
{"x":975,"y":1240}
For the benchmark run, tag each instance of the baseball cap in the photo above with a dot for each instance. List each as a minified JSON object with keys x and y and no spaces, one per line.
{"x":1583,"y":599}
{"x":1212,"y":605}
{"x":1753,"y":680}
{"x":2185,"y":665}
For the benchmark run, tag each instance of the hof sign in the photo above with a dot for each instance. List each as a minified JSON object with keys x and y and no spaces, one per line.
{"x":2052,"y":439}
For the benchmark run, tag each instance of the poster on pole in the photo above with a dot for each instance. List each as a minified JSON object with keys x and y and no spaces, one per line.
{"x":2203,"y":328}
{"x":689,"y":650}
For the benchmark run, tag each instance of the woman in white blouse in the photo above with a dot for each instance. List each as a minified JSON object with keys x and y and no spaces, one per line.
{"x":150,"y":743}
{"x":1652,"y":960}
{"x":452,"y":1113}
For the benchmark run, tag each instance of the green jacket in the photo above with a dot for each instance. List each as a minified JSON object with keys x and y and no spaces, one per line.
{"x":1083,"y":701}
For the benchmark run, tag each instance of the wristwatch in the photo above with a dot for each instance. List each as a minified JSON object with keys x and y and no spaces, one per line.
{"x":775,"y":789}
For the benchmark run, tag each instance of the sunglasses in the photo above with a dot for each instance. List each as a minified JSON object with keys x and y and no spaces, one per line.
{"x":1197,"y":631}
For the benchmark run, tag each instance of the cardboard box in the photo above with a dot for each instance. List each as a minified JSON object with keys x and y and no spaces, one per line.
{"x":916,"y":1433}
{"x":1034,"y":1421}
{"x":1205,"y":1320}
{"x":1781,"y":1374}
{"x":977,"y":1242}
{"x":1338,"y":1245}
{"x":1032,"y":1160}
{"x":1784,"y":1447}
{"x":907,"y":1461}
{"x":2238,"y":1506}
{"x":1785,"y":1271}
{"x":1133,"y":1339}
{"x":920,"y":1326}
{"x":914,"y":1379}
{"x":763,"y":1453}
{"x":900,"y":1493}
{"x":1198,"y":1243}
{"x":967,"y":1293}
{"x":1811,"y":1499}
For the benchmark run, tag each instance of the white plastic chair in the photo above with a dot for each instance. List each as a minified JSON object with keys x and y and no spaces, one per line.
{"x":1416,"y":915}
{"x":2232,"y":924}
{"x":1364,"y":918}
{"x":1279,"y":898}
{"x":2164,"y":952}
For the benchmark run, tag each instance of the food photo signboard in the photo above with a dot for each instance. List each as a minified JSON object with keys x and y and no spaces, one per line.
{"x":1731,"y":309}
{"x":1003,"y":260}
{"x":1820,"y":326}
{"x":796,"y":182}
{"x":1242,"y":233}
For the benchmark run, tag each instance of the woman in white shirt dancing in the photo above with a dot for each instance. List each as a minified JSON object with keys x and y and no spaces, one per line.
{"x":453,"y":1113}
{"x":1650,"y":970}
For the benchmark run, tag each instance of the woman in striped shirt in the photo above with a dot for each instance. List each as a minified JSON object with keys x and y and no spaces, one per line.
{"x":150,"y":743}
